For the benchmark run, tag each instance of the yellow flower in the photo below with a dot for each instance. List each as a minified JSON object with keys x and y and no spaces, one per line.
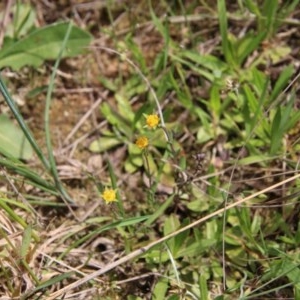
{"x":109,"y":195}
{"x":142,"y":142}
{"x":152,"y":121}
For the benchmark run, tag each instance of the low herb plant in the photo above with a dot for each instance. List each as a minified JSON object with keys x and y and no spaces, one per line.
{"x":198,"y":198}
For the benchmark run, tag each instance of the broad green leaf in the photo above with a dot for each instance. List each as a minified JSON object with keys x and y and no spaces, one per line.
{"x":26,"y":241}
{"x":200,"y":70}
{"x":208,"y":61}
{"x":115,"y":119}
{"x":24,"y":18}
{"x":131,"y":165}
{"x":198,"y":205}
{"x":124,"y":107}
{"x":203,"y":136}
{"x":135,"y":158}
{"x":44,"y":43}
{"x":203,"y":286}
{"x":160,"y":289}
{"x":195,"y":249}
{"x":215,"y":102}
{"x":12,"y":140}
{"x":104,"y":143}
{"x":171,"y":225}
{"x":278,"y":53}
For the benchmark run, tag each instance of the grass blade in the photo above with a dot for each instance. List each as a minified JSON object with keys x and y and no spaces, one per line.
{"x":53,"y":168}
{"x":26,"y":241}
{"x":11,"y":104}
{"x":224,"y":32}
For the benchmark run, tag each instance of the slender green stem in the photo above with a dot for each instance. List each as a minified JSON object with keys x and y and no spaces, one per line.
{"x":115,"y":186}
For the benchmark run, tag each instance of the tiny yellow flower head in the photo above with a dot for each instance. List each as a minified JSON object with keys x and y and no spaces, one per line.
{"x":152,"y":121}
{"x":109,"y":195}
{"x":142,"y":142}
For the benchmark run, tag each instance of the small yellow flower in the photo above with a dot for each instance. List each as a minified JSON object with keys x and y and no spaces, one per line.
{"x":109,"y":195}
{"x":152,"y":121}
{"x":142,"y":142}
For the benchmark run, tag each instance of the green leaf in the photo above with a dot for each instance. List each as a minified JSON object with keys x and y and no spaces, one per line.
{"x":159,"y":211}
{"x":203,"y":72}
{"x":226,"y":43}
{"x":282,"y":81}
{"x":36,"y":91}
{"x":104,"y":143}
{"x":207,"y":61}
{"x":160,"y":289}
{"x":196,"y":248}
{"x":215,"y":102}
{"x":276,"y":133}
{"x":46,"y":284}
{"x":253,"y":160}
{"x":26,"y":241}
{"x":198,"y":205}
{"x":24,"y":18}
{"x":164,"y":31}
{"x":134,"y":160}
{"x":171,"y":225}
{"x":12,"y":141}
{"x":203,"y":287}
{"x":253,"y":7}
{"x":282,"y":121}
{"x":44,"y":43}
{"x":248,"y":44}
{"x":115,"y":119}
{"x":269,"y":11}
